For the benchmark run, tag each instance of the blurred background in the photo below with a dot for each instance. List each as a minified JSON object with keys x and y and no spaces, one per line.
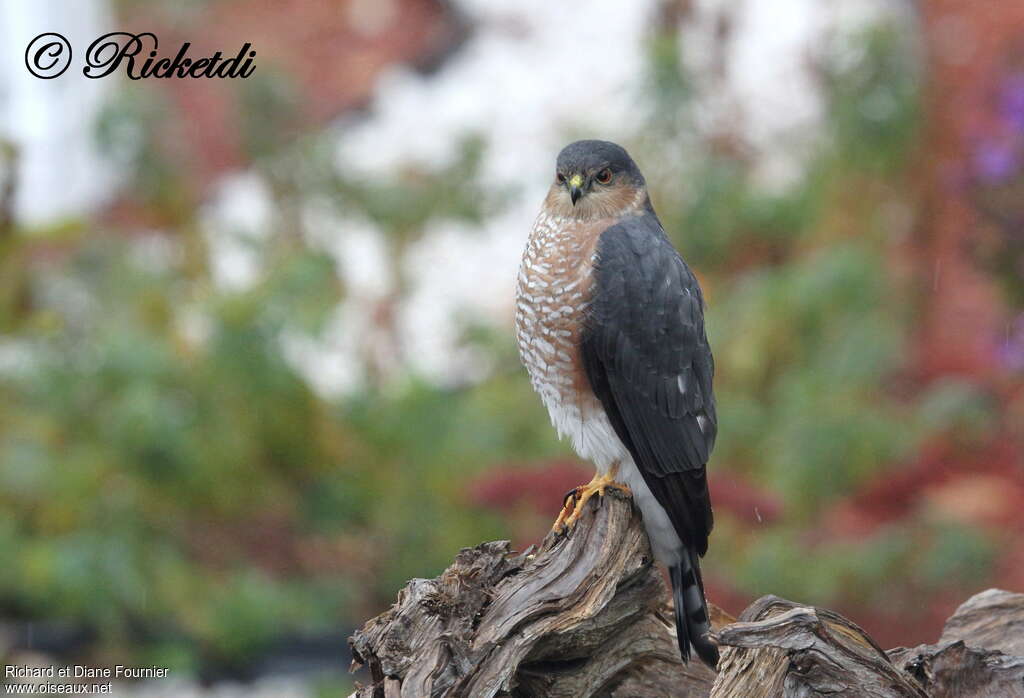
{"x":256,"y":360}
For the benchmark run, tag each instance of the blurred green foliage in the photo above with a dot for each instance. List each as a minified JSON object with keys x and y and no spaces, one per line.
{"x":175,"y":484}
{"x":809,"y":328}
{"x":125,"y":446}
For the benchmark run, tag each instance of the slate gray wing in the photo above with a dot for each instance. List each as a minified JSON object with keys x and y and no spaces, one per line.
{"x":647,"y":358}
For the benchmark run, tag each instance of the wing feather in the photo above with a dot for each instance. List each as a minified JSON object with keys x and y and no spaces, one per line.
{"x":647,"y":358}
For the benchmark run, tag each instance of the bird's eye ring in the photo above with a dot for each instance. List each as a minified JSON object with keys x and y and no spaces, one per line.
{"x":560,"y":177}
{"x":604,"y":176}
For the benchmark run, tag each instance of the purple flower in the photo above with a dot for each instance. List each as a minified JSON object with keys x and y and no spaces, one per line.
{"x":995,"y":162}
{"x":1011,"y":346}
{"x":1011,"y":100}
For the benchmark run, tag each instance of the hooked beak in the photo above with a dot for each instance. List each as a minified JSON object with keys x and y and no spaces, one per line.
{"x":575,"y":185}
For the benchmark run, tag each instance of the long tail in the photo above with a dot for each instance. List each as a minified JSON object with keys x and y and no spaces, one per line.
{"x":692,"y":622}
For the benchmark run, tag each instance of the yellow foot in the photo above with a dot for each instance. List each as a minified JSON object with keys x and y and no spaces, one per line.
{"x":577,"y":499}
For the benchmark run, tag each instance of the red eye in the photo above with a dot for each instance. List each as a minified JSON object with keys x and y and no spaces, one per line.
{"x":604,"y":176}
{"x":560,"y":177}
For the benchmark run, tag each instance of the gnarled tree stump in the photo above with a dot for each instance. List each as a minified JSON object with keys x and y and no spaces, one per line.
{"x":588,"y":614}
{"x":779,"y":648}
{"x":980,"y":653}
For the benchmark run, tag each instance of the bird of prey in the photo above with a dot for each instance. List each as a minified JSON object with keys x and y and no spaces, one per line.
{"x":610,"y":326}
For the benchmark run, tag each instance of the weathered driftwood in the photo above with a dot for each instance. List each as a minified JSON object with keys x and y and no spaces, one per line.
{"x":779,"y":648}
{"x":588,"y":615}
{"x":993,"y":619}
{"x":980,"y":653}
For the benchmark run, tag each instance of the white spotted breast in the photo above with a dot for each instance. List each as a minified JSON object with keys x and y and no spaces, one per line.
{"x":552,"y":298}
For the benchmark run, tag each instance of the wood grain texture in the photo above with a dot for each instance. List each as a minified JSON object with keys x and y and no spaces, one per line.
{"x":781,"y":648}
{"x":980,"y":653}
{"x":993,"y":619}
{"x":588,"y":615}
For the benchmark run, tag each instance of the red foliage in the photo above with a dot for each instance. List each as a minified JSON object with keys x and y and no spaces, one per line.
{"x":967,"y":45}
{"x":542,"y":489}
{"x":980,"y":487}
{"x":914,"y":623}
{"x":733,"y":494}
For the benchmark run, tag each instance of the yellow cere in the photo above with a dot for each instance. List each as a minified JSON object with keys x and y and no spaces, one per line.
{"x":576,"y":181}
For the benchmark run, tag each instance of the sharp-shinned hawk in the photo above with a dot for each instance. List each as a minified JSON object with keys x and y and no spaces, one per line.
{"x":610,"y":326}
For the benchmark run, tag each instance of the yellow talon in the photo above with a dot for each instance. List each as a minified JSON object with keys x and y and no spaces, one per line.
{"x":574,"y":504}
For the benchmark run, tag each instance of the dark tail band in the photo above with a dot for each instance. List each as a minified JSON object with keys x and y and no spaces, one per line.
{"x":692,"y":622}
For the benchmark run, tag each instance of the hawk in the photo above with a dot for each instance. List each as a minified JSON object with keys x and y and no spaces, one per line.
{"x":610,"y":327}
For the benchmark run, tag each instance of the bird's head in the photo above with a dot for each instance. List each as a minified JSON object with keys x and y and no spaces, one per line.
{"x":596,"y":179}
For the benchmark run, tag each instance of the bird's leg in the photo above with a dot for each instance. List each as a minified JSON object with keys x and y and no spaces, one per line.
{"x":576,"y":499}
{"x":568,"y":504}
